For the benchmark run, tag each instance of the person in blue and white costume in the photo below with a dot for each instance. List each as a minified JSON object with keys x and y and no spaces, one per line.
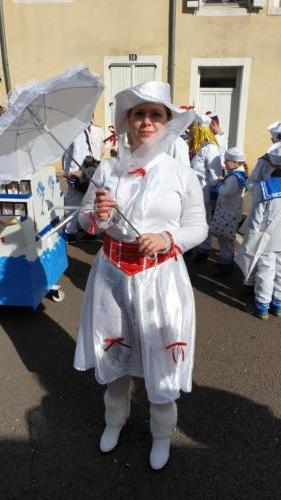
{"x":267,"y":210}
{"x":262,"y":171}
{"x":263,"y":168}
{"x":138,"y":316}
{"x":229,"y":207}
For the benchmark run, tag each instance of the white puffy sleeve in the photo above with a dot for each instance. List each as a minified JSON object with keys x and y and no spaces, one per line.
{"x":213,"y":163}
{"x":193,"y":225}
{"x":180,"y":151}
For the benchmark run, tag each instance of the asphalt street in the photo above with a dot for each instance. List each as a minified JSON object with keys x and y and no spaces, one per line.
{"x":228,"y":441}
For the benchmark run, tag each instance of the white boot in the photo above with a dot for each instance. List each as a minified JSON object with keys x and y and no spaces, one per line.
{"x":117,"y":410}
{"x":162,"y":424}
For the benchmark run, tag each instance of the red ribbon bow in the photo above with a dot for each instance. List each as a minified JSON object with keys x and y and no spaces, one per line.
{"x":138,"y":171}
{"x":115,"y":340}
{"x":177,"y":344}
{"x":113,"y":137}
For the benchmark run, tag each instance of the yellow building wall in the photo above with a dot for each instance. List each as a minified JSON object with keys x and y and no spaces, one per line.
{"x":255,"y":36}
{"x":44,"y":39}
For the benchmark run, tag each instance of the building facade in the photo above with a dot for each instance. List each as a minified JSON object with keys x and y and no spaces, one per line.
{"x":227,"y":54}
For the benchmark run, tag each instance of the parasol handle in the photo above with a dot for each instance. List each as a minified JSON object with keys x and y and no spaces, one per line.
{"x":90,"y":178}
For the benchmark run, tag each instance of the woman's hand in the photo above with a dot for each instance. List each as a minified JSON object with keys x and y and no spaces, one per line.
{"x":104,"y":204}
{"x":151,"y":243}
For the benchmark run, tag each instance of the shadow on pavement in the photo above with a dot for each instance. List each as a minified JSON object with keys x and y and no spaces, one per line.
{"x":227,"y":446}
{"x":77,"y":272}
{"x":226,"y":289}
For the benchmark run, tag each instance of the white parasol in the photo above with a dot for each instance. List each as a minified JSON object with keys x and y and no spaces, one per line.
{"x":44,"y":119}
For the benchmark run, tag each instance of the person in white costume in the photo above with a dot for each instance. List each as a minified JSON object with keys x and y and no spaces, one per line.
{"x":229,"y":208}
{"x":88,"y":143}
{"x":219,"y":135}
{"x":138,"y":315}
{"x":267,"y":211}
{"x":263,"y":168}
{"x":206,"y":164}
{"x":261,"y":172}
{"x":180,"y":151}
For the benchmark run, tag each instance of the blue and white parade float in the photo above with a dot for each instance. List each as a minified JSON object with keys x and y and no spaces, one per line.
{"x":33,"y":253}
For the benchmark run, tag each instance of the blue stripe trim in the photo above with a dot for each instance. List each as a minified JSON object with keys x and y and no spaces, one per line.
{"x":240,"y":176}
{"x":47,"y":228}
{"x":15,"y":196}
{"x":271,"y":189}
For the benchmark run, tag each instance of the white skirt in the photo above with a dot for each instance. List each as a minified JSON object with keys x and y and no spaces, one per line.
{"x":149,"y":311}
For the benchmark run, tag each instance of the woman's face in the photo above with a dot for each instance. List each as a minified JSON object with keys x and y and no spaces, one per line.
{"x":145,"y":120}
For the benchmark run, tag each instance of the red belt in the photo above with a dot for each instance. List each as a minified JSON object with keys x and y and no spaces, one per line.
{"x":126,"y":256}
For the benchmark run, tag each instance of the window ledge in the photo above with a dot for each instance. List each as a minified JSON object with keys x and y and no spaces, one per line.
{"x":222,"y":10}
{"x":274,"y":11}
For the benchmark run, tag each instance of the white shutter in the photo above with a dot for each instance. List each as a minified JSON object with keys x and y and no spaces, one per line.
{"x":218,"y":100}
{"x":143,"y":73}
{"x":120,"y":79}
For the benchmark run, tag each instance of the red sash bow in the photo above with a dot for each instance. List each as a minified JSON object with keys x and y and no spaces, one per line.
{"x":126,"y":256}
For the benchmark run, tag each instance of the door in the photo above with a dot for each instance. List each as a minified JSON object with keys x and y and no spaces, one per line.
{"x":122,"y":76}
{"x":221,"y":101}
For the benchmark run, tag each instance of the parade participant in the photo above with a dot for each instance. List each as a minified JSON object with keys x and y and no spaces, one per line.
{"x":87,"y":145}
{"x":229,"y":208}
{"x":205,"y":161}
{"x":219,"y":134}
{"x":138,"y":311}
{"x":266,"y":219}
{"x":262,"y":171}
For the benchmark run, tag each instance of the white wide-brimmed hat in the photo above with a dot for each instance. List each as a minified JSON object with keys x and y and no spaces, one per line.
{"x":148,"y":92}
{"x":275,"y":130}
{"x":204,"y":120}
{"x":275,"y":154}
{"x":234,"y":154}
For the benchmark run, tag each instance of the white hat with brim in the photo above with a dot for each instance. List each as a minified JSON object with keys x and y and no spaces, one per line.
{"x":275,"y":154}
{"x":275,"y":130}
{"x":204,"y":120}
{"x":234,"y":154}
{"x":148,"y":92}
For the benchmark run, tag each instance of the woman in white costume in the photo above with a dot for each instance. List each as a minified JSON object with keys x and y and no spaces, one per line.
{"x":138,"y":314}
